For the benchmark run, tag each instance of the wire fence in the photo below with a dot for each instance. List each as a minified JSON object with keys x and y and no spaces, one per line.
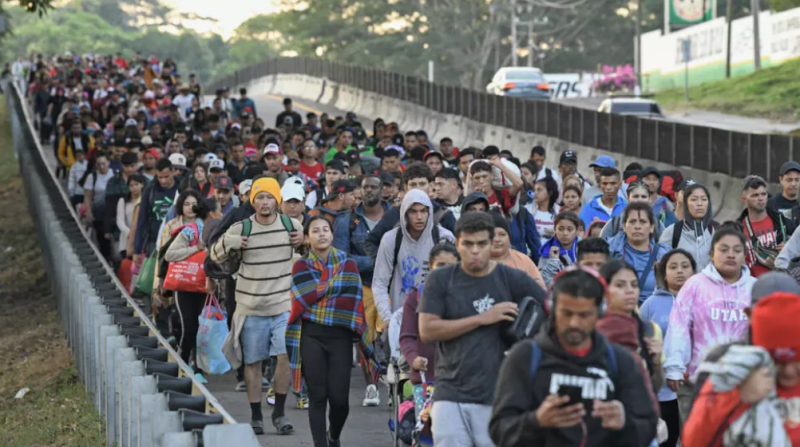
{"x":715,"y":150}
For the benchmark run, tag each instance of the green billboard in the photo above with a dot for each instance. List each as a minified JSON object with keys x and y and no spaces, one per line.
{"x":690,"y":12}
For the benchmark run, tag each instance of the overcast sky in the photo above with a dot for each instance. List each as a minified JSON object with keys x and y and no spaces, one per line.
{"x":230,"y":13}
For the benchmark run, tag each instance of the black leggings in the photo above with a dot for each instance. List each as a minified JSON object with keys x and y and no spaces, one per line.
{"x":327,"y":362}
{"x":190,"y":306}
{"x":671,"y":415}
{"x":103,"y":244}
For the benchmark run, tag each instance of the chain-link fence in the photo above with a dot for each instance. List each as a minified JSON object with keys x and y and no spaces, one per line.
{"x":715,"y":150}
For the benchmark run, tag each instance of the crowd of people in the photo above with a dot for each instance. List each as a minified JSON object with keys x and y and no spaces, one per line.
{"x":652,"y":324}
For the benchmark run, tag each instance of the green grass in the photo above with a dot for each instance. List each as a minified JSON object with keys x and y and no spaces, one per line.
{"x":772,"y":93}
{"x":33,"y":350}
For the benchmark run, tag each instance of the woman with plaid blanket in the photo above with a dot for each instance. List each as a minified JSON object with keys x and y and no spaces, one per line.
{"x":327,"y":314}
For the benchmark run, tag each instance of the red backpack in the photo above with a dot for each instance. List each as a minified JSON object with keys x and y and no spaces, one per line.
{"x":669,"y":181}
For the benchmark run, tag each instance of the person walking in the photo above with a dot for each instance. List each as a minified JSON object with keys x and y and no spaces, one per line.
{"x":186,"y":233}
{"x":504,"y":254}
{"x":327,"y":314}
{"x":708,"y":311}
{"x":766,"y":230}
{"x":262,"y":297}
{"x":460,"y":309}
{"x":694,"y":232}
{"x":561,"y":250}
{"x":637,"y":247}
{"x":672,"y":272}
{"x":570,"y":386}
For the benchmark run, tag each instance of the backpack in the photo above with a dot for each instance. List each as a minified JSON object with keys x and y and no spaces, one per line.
{"x":611,"y":360}
{"x":669,"y":181}
{"x":222,"y":270}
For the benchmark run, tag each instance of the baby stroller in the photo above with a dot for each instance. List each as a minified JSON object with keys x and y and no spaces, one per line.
{"x":402,"y":421}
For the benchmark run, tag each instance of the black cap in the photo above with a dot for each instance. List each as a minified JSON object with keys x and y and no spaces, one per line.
{"x":398,"y":139}
{"x":790,"y":166}
{"x":360,"y":135}
{"x":433,"y":154}
{"x":391,"y":153}
{"x":685,"y":184}
{"x":337,"y":165}
{"x":649,"y":170}
{"x":568,"y":156}
{"x":129,"y":158}
{"x":386,"y":178}
{"x":340,"y":187}
{"x":223,"y":182}
{"x":353,"y":157}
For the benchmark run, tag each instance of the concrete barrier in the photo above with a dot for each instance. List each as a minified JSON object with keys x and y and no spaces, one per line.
{"x":725,"y":190}
{"x":88,"y":293}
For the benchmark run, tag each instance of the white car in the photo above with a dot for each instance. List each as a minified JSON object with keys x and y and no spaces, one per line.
{"x":521,"y":82}
{"x":646,"y":108}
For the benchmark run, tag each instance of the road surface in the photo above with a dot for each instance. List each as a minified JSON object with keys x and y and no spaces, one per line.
{"x":704,"y":118}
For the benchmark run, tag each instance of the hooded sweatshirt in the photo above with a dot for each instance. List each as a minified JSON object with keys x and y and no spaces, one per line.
{"x":520,"y":392}
{"x":471,"y":198}
{"x":657,"y":309}
{"x":412,"y":260}
{"x":708,"y":312}
{"x":620,"y":249}
{"x":696,"y":234}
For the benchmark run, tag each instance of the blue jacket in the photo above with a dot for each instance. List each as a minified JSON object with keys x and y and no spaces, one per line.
{"x":354,"y":244}
{"x":657,"y":309}
{"x":240,"y":104}
{"x":524,"y":235}
{"x":620,"y":249}
{"x":592,"y":210}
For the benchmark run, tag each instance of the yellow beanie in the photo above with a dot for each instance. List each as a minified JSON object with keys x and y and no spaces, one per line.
{"x":265,"y":184}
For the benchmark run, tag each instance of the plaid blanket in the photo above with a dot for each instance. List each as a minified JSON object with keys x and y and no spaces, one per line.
{"x":326,"y":292}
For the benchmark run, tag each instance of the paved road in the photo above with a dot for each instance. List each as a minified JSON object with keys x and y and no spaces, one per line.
{"x":704,"y":118}
{"x":366,"y":427}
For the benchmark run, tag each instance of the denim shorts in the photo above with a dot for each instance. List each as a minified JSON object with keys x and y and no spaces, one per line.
{"x":263,"y":337}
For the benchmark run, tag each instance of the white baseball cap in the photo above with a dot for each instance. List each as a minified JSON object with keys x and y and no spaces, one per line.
{"x":177,"y":160}
{"x":293,"y":189}
{"x":216,"y":163}
{"x":245,"y":186}
{"x":272,"y":148}
{"x":209,"y":157}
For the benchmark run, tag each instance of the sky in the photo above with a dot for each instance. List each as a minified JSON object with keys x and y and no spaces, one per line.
{"x":229,"y":13}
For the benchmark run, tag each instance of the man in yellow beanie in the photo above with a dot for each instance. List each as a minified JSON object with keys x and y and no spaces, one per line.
{"x":263,"y":298}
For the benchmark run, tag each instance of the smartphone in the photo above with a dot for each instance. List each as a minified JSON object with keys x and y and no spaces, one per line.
{"x":574,"y":393}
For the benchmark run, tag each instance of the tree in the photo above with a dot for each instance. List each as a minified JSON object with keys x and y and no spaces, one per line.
{"x":34,"y":6}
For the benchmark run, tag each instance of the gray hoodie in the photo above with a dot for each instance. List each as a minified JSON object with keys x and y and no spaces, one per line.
{"x":412,"y":260}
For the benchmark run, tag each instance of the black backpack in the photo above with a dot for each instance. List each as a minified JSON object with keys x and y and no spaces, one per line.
{"x":222,"y":270}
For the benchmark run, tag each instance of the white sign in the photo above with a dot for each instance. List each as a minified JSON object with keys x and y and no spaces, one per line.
{"x":570,"y":85}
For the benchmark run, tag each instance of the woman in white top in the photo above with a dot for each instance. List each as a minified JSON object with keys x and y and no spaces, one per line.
{"x":125,"y":208}
{"x":543,"y":208}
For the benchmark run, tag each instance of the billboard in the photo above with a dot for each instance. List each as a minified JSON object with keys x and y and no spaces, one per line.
{"x":681,"y":13}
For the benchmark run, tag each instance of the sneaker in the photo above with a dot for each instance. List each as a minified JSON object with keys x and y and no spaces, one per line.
{"x":264,"y":384}
{"x":241,"y":386}
{"x":271,"y":396}
{"x":258,"y":427}
{"x":302,"y":403}
{"x":372,"y":397}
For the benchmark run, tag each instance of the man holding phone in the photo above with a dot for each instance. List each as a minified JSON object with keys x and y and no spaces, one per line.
{"x":570,"y":386}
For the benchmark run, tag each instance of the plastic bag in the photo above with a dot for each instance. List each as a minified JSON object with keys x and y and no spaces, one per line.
{"x":210,"y":335}
{"x":144,"y":283}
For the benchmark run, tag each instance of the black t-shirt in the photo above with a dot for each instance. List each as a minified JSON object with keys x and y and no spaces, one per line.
{"x":785,"y":206}
{"x":467,"y":367}
{"x":289,"y":118}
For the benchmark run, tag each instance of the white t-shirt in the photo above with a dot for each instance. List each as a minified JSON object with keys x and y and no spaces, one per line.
{"x":78,"y":143}
{"x":183,"y":102}
{"x":545,"y":223}
{"x":100,"y":183}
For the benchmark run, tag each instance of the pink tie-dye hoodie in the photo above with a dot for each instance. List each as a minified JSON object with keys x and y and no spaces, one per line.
{"x":708,"y":312}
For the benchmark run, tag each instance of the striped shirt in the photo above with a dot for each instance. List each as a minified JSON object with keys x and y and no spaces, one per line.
{"x":264,"y":279}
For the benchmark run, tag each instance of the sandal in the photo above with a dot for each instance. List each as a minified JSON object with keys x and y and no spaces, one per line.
{"x":283,"y":425}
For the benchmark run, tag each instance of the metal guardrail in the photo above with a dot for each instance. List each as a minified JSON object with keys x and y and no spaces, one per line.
{"x":736,"y":154}
{"x":144,"y":392}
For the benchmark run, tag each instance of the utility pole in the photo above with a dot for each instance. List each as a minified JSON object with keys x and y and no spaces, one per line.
{"x":756,"y":36}
{"x":638,"y":55}
{"x":729,"y":21}
{"x":513,"y":33}
{"x":530,"y":43}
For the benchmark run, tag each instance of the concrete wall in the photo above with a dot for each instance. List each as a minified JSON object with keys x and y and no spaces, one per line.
{"x":725,"y":190}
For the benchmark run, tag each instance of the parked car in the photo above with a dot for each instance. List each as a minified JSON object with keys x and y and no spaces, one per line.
{"x":643,"y":107}
{"x":521,"y":82}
